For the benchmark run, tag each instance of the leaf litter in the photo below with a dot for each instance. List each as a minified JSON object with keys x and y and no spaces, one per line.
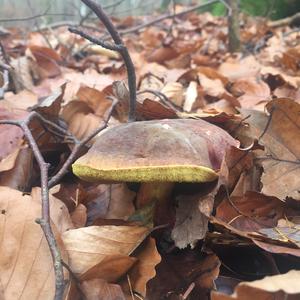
{"x":251,"y":209}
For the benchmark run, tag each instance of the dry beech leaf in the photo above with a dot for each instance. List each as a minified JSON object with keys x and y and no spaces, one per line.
{"x":10,"y":135}
{"x":98,"y":289}
{"x":26,"y":263}
{"x":251,"y":91}
{"x":148,"y":257}
{"x":198,"y":271}
{"x":20,"y":174}
{"x":240,"y":68}
{"x":47,"y":60}
{"x":212,"y":74}
{"x":80,"y":118}
{"x":160,"y":55}
{"x":258,"y":211}
{"x":110,"y":269}
{"x":51,"y":105}
{"x":105,"y":201}
{"x":191,"y":224}
{"x":281,"y":176}
{"x":21,"y":101}
{"x":152,"y":110}
{"x":98,"y":242}
{"x":95,"y":99}
{"x":283,"y":286}
{"x":292,"y":80}
{"x":79,"y":216}
{"x":174,"y":91}
{"x":212,"y":87}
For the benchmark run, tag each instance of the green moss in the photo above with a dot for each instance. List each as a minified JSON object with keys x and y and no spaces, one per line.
{"x":175,"y":173}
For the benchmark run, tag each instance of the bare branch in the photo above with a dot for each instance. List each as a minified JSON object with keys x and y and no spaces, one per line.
{"x":163,"y":17}
{"x":78,"y":146}
{"x":45,"y":219}
{"x":99,"y":42}
{"x":98,"y":10}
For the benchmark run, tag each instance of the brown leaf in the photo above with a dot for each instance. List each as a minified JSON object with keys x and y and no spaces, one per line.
{"x":174,"y":91}
{"x":20,"y":174}
{"x":10,"y":135}
{"x":251,"y":91}
{"x":152,"y":110}
{"x":283,"y":286}
{"x":79,"y":216}
{"x":80,"y":118}
{"x":110,"y":269}
{"x":178,"y":270}
{"x":98,"y":242}
{"x":98,"y":289}
{"x":26,"y":263}
{"x":191,"y":224}
{"x":47,"y":60}
{"x":291,"y":59}
{"x":51,"y":105}
{"x":251,"y":211}
{"x":240,"y":68}
{"x":95,"y":99}
{"x":282,"y":149}
{"x":148,"y":257}
{"x":105,"y":201}
{"x":163,"y":54}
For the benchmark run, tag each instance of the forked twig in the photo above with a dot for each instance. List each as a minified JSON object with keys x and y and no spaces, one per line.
{"x":118,"y":46}
{"x":44,"y":221}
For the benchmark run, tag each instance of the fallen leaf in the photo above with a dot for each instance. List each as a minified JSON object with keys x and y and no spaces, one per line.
{"x":144,"y":269}
{"x":47,"y":60}
{"x":26,"y":264}
{"x":282,"y":150}
{"x":12,"y":135}
{"x":98,"y":242}
{"x":191,"y":224}
{"x":20,"y":174}
{"x":95,"y":99}
{"x":79,"y":216}
{"x":98,"y":289}
{"x":283,"y":286}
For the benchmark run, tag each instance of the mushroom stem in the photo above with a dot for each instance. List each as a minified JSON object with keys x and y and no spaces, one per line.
{"x":158,"y":193}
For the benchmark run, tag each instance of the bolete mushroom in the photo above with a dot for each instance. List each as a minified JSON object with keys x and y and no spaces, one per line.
{"x":156,"y":153}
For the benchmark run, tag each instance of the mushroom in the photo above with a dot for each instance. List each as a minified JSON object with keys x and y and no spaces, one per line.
{"x":156,"y":153}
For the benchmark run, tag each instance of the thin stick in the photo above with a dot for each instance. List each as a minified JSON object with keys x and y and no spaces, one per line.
{"x":119,"y":46}
{"x":44,"y":221}
{"x":163,"y":17}
{"x":78,"y":146}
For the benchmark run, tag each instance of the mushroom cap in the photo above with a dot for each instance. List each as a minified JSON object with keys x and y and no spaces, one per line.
{"x":179,"y":150}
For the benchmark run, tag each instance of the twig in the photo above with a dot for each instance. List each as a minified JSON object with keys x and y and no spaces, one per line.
{"x":188,"y":291}
{"x":78,"y":146}
{"x":163,"y":17}
{"x":119,"y":46}
{"x":267,"y":125}
{"x":76,"y":280}
{"x":44,"y":221}
{"x":162,"y":97}
{"x":99,"y":42}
